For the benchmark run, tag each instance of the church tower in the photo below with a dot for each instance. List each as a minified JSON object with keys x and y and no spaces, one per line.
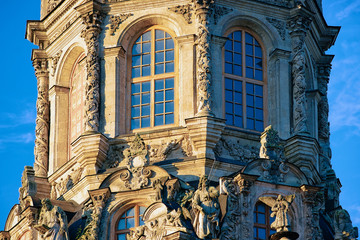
{"x":181,"y":119}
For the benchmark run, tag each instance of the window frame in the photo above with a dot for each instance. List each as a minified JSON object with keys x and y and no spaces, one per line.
{"x":267,"y":224}
{"x":245,"y":80}
{"x":152,"y":77}
{"x":136,"y":208}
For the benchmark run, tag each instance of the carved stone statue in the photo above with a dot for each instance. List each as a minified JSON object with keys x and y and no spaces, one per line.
{"x":52,"y":222}
{"x":206,"y":209}
{"x":343,"y":226}
{"x":279,"y":208}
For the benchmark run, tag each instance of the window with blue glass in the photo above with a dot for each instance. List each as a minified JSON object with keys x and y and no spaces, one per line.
{"x":129,"y":219}
{"x":152,"y":76}
{"x":244,"y":81}
{"x":262,"y":222}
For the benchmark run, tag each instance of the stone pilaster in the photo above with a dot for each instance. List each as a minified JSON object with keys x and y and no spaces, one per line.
{"x":92,"y":19}
{"x":203,"y":57}
{"x":298,"y":25}
{"x":41,"y":151}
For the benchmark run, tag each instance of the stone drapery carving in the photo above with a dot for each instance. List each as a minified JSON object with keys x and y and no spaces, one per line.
{"x":116,"y":20}
{"x":52,"y":222}
{"x":279,"y":25}
{"x":298,"y":26}
{"x":344,"y":229}
{"x":206,"y":208}
{"x":41,"y":150}
{"x":235,"y":150}
{"x":92,"y":22}
{"x":185,"y":10}
{"x":203,"y":56}
{"x":55,"y":60}
{"x":279,"y":207}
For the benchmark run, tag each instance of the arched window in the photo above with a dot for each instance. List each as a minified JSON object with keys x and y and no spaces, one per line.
{"x":77,"y":98}
{"x":153,"y":80}
{"x":262,"y":221}
{"x":130,"y":218}
{"x":244,"y":81}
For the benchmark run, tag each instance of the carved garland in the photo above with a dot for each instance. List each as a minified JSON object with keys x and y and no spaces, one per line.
{"x":42,"y":118}
{"x":91,"y":33}
{"x":116,"y":20}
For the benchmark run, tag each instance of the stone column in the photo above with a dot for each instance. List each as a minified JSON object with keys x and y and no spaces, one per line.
{"x":298,"y":25}
{"x":203,"y":57}
{"x":91,"y":16}
{"x":41,"y":151}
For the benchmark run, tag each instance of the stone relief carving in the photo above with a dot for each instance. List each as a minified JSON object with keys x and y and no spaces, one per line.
{"x":42,"y":118}
{"x":52,"y":222}
{"x":298,"y":27}
{"x":206,"y":208}
{"x":185,"y":10}
{"x":64,"y":185}
{"x":279,"y":25}
{"x":219,"y":11}
{"x":55,"y":60}
{"x":162,"y":151}
{"x":279,"y":207}
{"x":52,"y":4}
{"x":92,"y":22}
{"x":116,"y":20}
{"x":235,"y":150}
{"x":344,"y":229}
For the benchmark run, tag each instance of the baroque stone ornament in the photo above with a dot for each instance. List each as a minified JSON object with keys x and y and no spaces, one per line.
{"x":52,"y":222}
{"x":185,"y":10}
{"x":52,"y":4}
{"x":28,"y":186}
{"x":298,"y":26}
{"x":116,"y":20}
{"x":279,"y":207}
{"x":281,"y":3}
{"x":55,"y":60}
{"x":323,"y":109}
{"x":235,"y":150}
{"x":344,"y":229}
{"x":206,"y":208}
{"x":279,"y":25}
{"x":41,"y":150}
{"x":219,"y":11}
{"x":92,"y":21}
{"x":160,"y":152}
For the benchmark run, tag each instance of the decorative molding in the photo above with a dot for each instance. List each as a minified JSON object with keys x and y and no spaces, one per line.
{"x":161,"y":152}
{"x":116,"y":20}
{"x":235,"y":150}
{"x":185,"y":10}
{"x":279,"y":25}
{"x":55,"y":61}
{"x":52,"y":4}
{"x":280,"y":3}
{"x":61,"y":30}
{"x":28,"y":186}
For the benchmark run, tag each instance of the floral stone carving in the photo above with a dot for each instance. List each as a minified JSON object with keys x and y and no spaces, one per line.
{"x":235,"y":150}
{"x":116,"y":20}
{"x":279,"y":25}
{"x":185,"y":10}
{"x":162,"y":151}
{"x":279,"y":207}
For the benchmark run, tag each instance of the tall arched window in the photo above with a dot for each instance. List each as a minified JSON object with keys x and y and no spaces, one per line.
{"x":153,"y":80}
{"x":130,"y":218}
{"x":244,"y":81}
{"x":77,"y":98}
{"x":262,"y":222}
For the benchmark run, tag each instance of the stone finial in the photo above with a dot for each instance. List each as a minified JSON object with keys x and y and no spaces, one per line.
{"x":270,"y":144}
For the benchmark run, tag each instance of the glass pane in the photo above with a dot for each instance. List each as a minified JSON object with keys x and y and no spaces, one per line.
{"x":228,"y":56}
{"x":146,"y":71}
{"x":169,"y":55}
{"x":135,"y":72}
{"x":256,"y":42}
{"x":135,"y":112}
{"x":145,"y":122}
{"x":159,"y":57}
{"x":238,"y":121}
{"x":250,"y":112}
{"x":169,"y":83}
{"x":259,"y":114}
{"x":138,"y":40}
{"x":258,"y":90}
{"x":237,"y":70}
{"x":249,"y":73}
{"x":159,"y":120}
{"x":255,"y":232}
{"x":146,"y":36}
{"x":135,"y":123}
{"x":169,"y":95}
{"x":229,"y":119}
{"x":238,"y":109}
{"x":146,"y":59}
{"x":136,"y":60}
{"x":167,"y":35}
{"x":248,"y":38}
{"x":250,"y":123}
{"x":259,"y":126}
{"x":237,"y":58}
{"x":258,"y":75}
{"x":262,"y":233}
{"x":237,"y":47}
{"x":258,"y":102}
{"x":136,"y":49}
{"x":237,"y":35}
{"x":122,"y":236}
{"x":258,"y":63}
{"x":261,"y":208}
{"x":146,"y":98}
{"x":169,"y":118}
{"x":249,"y":100}
{"x":159,"y":45}
{"x":169,"y":107}
{"x":169,"y":44}
{"x":159,"y":96}
{"x":249,"y":61}
{"x":228,"y":107}
{"x":238,"y":97}
{"x":249,"y":49}
{"x":146,"y":87}
{"x":169,"y":67}
{"x":159,"y":34}
{"x":145,"y":110}
{"x":258,"y":52}
{"x":228,"y":84}
{"x":249,"y":88}
{"x":159,"y":84}
{"x":146,"y":47}
{"x":142,"y":210}
{"x":228,"y":45}
{"x":121,"y":224}
{"x":130,"y":212}
{"x":130,"y":222}
{"x":159,"y":68}
{"x":135,"y":88}
{"x":159,"y":108}
{"x":238,"y":86}
{"x":135,"y":100}
{"x":228,"y":68}
{"x":228,"y":95}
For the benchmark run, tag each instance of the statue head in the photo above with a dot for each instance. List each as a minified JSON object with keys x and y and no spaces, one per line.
{"x":46,"y":203}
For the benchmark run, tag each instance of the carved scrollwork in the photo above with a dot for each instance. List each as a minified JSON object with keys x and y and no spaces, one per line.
{"x":279,"y":25}
{"x":160,"y":152}
{"x":55,"y":60}
{"x":219,"y":11}
{"x":116,"y":20}
{"x":235,"y":150}
{"x":185,"y":10}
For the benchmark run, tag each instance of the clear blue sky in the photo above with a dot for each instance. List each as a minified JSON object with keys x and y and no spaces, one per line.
{"x":18,"y":98}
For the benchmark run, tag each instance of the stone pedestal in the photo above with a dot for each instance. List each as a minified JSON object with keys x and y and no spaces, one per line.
{"x":284,"y":236}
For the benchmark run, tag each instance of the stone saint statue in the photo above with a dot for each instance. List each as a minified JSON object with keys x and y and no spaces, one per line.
{"x":52,"y":222}
{"x":206,"y":210}
{"x":279,"y":208}
{"x":344,"y":229}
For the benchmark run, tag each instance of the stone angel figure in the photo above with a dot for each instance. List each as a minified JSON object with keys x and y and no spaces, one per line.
{"x":279,"y":208}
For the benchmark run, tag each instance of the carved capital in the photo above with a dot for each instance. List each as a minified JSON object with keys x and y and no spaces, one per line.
{"x":245,"y":182}
{"x":41,"y":67}
{"x":299,"y":23}
{"x":99,"y":197}
{"x":4,"y":235}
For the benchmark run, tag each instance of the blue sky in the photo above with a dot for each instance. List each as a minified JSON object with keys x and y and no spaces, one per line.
{"x":18,"y":98}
